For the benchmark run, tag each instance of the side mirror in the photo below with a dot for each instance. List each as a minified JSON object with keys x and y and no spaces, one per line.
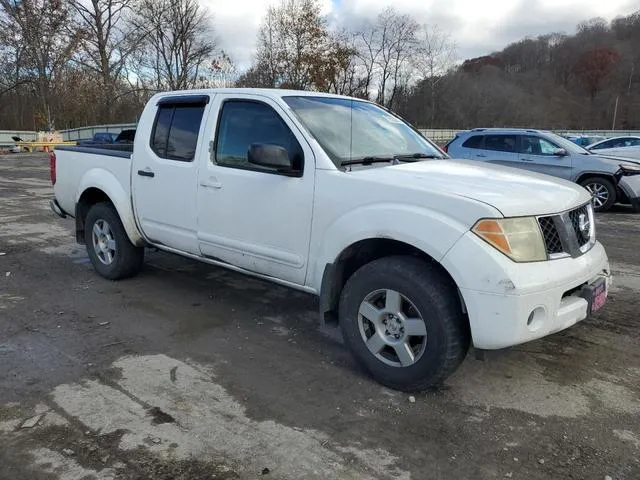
{"x":270,"y":156}
{"x":560,"y":152}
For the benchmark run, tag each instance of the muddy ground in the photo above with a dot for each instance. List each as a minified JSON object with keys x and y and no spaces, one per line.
{"x":192,"y":372}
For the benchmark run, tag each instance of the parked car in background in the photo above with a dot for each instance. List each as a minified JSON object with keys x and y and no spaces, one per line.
{"x":16,"y":148}
{"x":584,"y":140}
{"x":615,"y":142}
{"x":610,"y":180}
{"x":631,"y":154}
{"x":415,"y":255}
{"x":126,"y":136}
{"x":99,"y":138}
{"x":122,"y":141}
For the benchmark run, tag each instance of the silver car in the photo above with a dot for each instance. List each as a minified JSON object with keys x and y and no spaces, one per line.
{"x":615,"y":143}
{"x":609,"y":179}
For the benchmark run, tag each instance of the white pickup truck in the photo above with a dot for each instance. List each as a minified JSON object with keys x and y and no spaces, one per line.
{"x":414,"y":254}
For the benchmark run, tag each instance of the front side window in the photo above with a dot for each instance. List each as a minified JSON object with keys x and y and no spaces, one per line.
{"x":244,"y":123}
{"x":349,"y":130}
{"x":500,"y":143}
{"x":537,"y":146}
{"x":175,"y":132}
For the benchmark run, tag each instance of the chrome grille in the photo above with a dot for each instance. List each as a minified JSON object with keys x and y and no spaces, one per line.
{"x":581,"y":222}
{"x":551,"y":236}
{"x":568,"y":233}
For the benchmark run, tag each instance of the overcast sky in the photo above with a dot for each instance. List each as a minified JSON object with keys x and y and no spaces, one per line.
{"x":477,"y":26}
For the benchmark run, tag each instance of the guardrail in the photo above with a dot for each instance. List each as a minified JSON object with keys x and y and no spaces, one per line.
{"x":7,"y":141}
{"x":85,"y":133}
{"x":438,"y":135}
{"x":45,"y":146}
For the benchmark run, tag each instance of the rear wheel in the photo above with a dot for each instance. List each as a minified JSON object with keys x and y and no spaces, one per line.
{"x":110,"y":250}
{"x":603,"y":192}
{"x":402,"y":319}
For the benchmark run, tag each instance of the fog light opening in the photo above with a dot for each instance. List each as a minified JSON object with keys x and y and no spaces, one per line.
{"x":536,"y":318}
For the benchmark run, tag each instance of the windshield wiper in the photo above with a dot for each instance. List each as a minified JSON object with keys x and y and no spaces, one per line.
{"x":367,"y":160}
{"x":412,"y":157}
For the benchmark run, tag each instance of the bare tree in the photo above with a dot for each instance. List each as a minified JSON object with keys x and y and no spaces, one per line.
{"x":42,"y":43}
{"x":177,"y":41}
{"x":368,"y":50}
{"x":397,"y":45}
{"x":220,"y":72}
{"x":385,"y":50}
{"x":435,"y":55}
{"x":296,"y":49}
{"x":107,"y":41}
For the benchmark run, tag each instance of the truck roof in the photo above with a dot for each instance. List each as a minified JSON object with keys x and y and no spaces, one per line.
{"x":267,"y":92}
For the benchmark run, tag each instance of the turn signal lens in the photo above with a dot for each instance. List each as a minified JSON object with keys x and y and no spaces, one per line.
{"x":518,"y":238}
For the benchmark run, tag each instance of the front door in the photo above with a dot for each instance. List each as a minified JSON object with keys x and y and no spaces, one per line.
{"x":250,"y":216}
{"x":538,"y":155}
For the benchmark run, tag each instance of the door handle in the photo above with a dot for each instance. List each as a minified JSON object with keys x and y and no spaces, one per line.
{"x":146,"y":173}
{"x":481,"y":155}
{"x":211,"y":183}
{"x":527,"y":159}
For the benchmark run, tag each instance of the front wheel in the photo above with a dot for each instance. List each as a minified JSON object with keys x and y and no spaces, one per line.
{"x":402,"y":319}
{"x":603,"y":192}
{"x":111,"y":252}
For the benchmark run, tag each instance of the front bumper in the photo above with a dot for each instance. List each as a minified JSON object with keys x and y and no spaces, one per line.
{"x":511,"y":303}
{"x":630,"y":185}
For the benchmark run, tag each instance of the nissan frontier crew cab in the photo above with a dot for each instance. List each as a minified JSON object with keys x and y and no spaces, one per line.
{"x":417,"y":256}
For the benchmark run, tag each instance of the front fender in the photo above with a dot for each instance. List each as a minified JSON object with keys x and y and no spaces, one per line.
{"x":108,"y":183}
{"x":427,"y":230}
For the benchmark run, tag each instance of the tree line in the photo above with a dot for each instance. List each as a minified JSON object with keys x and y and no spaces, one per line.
{"x":69,"y":63}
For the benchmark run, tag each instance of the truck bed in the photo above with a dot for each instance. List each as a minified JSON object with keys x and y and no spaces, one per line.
{"x":76,"y":167}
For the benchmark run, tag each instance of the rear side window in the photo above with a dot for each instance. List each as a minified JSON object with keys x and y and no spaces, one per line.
{"x":175,"y":131}
{"x":500,"y":143}
{"x":473,"y":142}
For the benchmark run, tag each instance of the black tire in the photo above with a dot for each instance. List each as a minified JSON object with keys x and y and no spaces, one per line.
{"x":435,"y":297}
{"x":127,"y":260}
{"x":601,"y":182}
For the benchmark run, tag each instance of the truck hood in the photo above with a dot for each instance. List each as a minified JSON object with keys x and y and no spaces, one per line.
{"x":512,"y":191}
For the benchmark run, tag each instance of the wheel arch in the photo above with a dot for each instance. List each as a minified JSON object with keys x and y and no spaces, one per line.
{"x":608,"y":176}
{"x":101,"y":186}
{"x":356,"y":255}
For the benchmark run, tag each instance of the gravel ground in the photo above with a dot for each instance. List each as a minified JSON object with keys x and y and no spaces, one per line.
{"x":192,"y":372}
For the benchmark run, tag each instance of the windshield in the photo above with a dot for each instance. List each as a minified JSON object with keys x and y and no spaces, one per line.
{"x":567,"y":144}
{"x":351,"y":130}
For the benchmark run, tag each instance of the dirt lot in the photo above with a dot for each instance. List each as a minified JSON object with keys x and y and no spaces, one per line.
{"x":192,"y":372}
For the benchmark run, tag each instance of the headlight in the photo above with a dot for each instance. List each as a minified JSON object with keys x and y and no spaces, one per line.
{"x":518,"y":238}
{"x":630,"y":169}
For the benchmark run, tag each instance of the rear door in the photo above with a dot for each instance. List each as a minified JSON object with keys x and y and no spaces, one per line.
{"x":497,"y":148}
{"x":249,"y":216}
{"x":537,"y":154}
{"x":164,"y":175}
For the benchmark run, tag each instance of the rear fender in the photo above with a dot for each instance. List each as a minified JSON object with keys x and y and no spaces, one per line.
{"x":107,"y":182}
